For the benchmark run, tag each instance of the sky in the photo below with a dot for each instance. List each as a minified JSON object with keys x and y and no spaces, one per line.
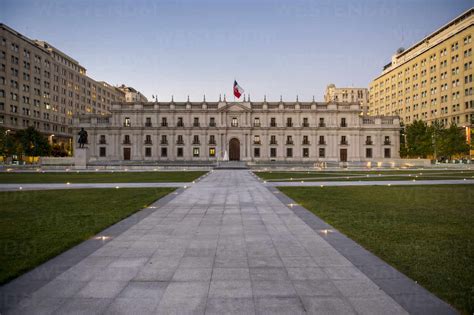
{"x":198,"y":47}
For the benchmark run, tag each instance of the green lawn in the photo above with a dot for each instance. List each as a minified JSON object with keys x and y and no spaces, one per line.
{"x":425,"y":232}
{"x":38,"y":225}
{"x":365,"y":175}
{"x":99,"y":177}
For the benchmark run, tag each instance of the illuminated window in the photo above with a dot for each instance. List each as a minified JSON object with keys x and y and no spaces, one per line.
{"x":195,"y":152}
{"x":212,"y":152}
{"x":235,"y":122}
{"x":126,"y":122}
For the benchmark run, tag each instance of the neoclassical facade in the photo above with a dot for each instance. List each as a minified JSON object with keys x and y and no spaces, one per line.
{"x":245,"y":131}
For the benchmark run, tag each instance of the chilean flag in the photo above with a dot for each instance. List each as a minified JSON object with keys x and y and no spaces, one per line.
{"x":238,"y":91}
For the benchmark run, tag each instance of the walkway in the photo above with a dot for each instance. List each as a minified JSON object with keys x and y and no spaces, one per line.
{"x":228,"y":244}
{"x":371,"y":183}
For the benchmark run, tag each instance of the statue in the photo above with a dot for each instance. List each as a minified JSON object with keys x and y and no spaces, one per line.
{"x":82,"y":138}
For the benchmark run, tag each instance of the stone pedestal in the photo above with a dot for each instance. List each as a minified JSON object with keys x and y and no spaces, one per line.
{"x":81,"y":157}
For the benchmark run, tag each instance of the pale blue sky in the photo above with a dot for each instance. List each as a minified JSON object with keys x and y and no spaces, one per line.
{"x":193,"y":47}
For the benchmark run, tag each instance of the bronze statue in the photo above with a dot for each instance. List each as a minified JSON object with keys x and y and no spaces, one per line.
{"x":82,"y":138}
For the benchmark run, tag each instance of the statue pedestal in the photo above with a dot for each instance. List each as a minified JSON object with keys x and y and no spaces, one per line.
{"x":81,"y":157}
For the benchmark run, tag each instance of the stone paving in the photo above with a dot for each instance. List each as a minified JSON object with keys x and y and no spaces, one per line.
{"x":225,"y":245}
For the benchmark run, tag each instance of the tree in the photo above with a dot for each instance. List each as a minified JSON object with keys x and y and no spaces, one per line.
{"x":437,"y":133}
{"x":453,"y":142}
{"x":418,"y":139}
{"x":33,"y":142}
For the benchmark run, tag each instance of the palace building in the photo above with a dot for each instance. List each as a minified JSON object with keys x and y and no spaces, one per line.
{"x":244,"y":130}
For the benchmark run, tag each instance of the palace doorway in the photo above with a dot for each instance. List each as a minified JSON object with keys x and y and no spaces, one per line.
{"x":234,"y":149}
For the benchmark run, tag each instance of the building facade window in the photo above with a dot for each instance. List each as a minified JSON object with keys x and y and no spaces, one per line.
{"x":102,"y":151}
{"x":164,"y":152}
{"x":212,"y":152}
{"x":368,"y":153}
{"x":289,"y":152}
{"x":322,"y":152}
{"x":147,"y":151}
{"x":195,"y":152}
{"x":305,"y":152}
{"x":273,"y":152}
{"x":256,"y":152}
{"x":235,"y":122}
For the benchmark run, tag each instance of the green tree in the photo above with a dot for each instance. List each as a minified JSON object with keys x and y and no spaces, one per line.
{"x":33,"y":143}
{"x":8,"y":143}
{"x":437,"y":131}
{"x":453,"y":142}
{"x":418,"y":139}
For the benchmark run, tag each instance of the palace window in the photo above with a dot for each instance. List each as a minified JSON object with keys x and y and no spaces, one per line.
{"x":387,"y":153}
{"x":305,"y":140}
{"x":180,"y":122}
{"x":273,"y":122}
{"x":256,"y":122}
{"x":256,"y":139}
{"x":164,"y":139}
{"x":212,"y":122}
{"x":273,"y":152}
{"x":343,"y":140}
{"x":305,"y":122}
{"x":305,"y":152}
{"x":289,"y":152}
{"x":126,"y":122}
{"x":289,"y":140}
{"x":179,"y":152}
{"x":273,"y":139}
{"x":343,"y":122}
{"x":148,"y":122}
{"x":126,"y":139}
{"x":212,"y":152}
{"x":368,"y":153}
{"x":322,"y":152}
{"x":180,"y":140}
{"x":289,"y":122}
{"x":196,"y":122}
{"x":147,"y":151}
{"x":212,"y":139}
{"x":321,"y":140}
{"x":148,"y":139}
{"x":102,"y":139}
{"x":195,"y":152}
{"x":102,"y":151}
{"x":164,"y":122}
{"x":321,"y":122}
{"x":196,"y":139}
{"x":235,"y":122}
{"x":386,"y":140}
{"x":164,"y":152}
{"x":368,"y":140}
{"x":256,"y":152}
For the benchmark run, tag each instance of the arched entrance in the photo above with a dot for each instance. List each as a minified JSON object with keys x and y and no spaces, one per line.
{"x":234,"y":149}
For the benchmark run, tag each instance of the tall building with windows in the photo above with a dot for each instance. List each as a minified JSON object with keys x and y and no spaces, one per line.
{"x":247,"y":131}
{"x":41,"y":86}
{"x":431,"y":80}
{"x":348,"y":95}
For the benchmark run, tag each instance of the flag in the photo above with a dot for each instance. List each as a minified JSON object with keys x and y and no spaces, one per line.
{"x":237,"y":90}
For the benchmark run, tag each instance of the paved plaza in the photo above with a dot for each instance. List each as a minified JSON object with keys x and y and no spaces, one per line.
{"x":229,"y":244}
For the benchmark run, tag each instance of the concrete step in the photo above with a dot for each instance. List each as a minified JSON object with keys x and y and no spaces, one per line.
{"x":231,"y":165}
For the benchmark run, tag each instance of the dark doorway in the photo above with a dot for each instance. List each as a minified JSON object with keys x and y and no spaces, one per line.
{"x":234,"y":149}
{"x":343,"y":155}
{"x":126,"y":154}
